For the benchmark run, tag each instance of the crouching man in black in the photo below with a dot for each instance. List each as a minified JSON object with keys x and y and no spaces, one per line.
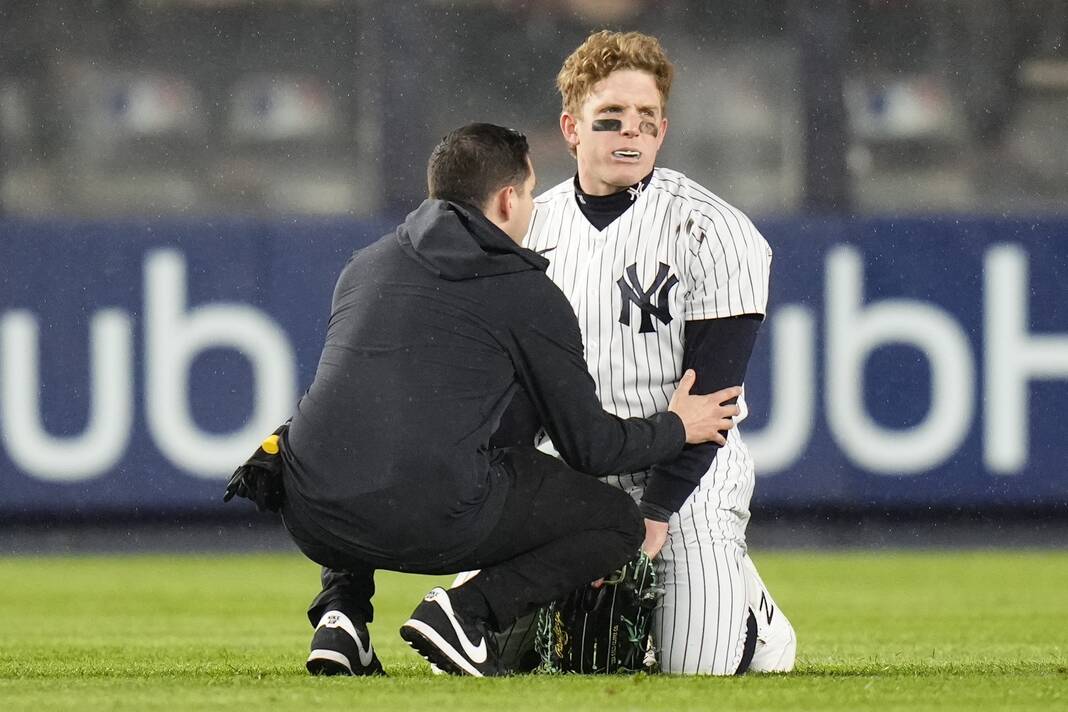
{"x":387,"y":464}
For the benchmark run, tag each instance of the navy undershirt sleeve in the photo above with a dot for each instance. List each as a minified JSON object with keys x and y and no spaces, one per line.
{"x":718,"y":350}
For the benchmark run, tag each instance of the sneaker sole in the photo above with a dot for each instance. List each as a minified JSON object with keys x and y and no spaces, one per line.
{"x":328,"y":662}
{"x":427,"y":642}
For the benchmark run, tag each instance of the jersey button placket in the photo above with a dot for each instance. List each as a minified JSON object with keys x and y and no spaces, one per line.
{"x":594,"y":288}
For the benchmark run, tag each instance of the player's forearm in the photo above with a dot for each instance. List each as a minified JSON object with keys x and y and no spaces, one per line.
{"x":719,"y":351}
{"x":667,"y":490}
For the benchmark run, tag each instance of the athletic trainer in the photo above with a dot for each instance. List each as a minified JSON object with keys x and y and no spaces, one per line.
{"x":387,"y":462}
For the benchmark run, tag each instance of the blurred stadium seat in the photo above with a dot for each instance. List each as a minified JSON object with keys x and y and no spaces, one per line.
{"x":285,"y":147}
{"x":908,"y":144}
{"x":135,"y":141}
{"x":25,"y":184}
{"x":736,"y":122}
{"x":196,"y":107}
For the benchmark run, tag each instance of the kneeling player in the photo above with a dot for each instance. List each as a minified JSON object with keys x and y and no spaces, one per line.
{"x":665,"y":276}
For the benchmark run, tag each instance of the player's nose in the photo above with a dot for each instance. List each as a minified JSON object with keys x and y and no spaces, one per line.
{"x":631,"y":124}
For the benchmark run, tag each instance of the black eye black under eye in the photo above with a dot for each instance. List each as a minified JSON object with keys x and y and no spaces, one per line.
{"x":607,"y":125}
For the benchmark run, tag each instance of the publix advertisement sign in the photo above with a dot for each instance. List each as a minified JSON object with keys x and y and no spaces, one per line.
{"x":902,"y":363}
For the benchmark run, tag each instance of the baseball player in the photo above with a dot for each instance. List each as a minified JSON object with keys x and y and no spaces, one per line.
{"x":665,"y":276}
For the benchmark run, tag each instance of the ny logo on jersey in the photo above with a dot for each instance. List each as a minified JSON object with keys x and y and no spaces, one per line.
{"x":632,"y":292}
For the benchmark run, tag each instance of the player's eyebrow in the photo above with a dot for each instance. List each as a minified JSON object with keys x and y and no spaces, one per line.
{"x":610,"y":106}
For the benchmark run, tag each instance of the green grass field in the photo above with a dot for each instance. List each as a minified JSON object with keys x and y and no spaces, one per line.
{"x":948,"y":630}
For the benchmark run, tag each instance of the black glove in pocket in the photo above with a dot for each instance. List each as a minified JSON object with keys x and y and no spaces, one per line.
{"x":260,"y":478}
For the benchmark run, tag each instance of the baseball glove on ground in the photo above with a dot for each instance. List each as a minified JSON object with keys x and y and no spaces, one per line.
{"x":602,"y":630}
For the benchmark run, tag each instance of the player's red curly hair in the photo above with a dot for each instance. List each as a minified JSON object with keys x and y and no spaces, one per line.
{"x":603,"y":53}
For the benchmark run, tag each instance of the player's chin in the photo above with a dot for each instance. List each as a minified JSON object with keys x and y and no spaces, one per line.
{"x":623,"y":174}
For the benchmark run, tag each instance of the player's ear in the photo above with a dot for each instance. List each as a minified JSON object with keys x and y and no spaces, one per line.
{"x":569,"y":128}
{"x":663,"y":132}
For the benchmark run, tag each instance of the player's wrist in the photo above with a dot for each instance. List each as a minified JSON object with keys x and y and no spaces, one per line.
{"x":666,"y":492}
{"x":654,"y":511}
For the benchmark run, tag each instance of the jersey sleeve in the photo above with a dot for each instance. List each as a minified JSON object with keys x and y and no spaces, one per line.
{"x":729,"y":264}
{"x":718,"y":350}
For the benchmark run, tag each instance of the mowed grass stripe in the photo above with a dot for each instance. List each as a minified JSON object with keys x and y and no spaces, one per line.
{"x":888,"y":630}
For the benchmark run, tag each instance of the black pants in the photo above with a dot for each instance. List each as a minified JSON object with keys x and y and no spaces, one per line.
{"x":559,"y":529}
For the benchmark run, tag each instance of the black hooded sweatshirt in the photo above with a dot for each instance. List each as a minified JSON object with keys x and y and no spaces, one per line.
{"x":433,"y":329}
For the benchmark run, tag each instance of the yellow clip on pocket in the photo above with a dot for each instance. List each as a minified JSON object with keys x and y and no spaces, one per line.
{"x":270,"y":444}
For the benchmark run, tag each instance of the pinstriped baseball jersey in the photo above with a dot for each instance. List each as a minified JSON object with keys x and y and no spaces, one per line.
{"x":678,"y":254}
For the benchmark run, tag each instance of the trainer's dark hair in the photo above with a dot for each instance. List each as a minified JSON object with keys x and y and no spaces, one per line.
{"x":475,"y":161}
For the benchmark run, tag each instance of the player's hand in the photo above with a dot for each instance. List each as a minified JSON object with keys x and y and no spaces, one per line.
{"x":655,"y":537}
{"x":706,"y":418}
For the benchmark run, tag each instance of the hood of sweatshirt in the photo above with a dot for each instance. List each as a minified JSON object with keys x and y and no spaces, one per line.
{"x":457,"y":242}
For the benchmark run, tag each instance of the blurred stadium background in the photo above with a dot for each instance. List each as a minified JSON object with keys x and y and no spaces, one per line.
{"x":326,"y":107}
{"x":181,"y":180}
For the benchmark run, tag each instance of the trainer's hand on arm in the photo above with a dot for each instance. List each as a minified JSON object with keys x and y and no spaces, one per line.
{"x":705,"y":418}
{"x":655,"y":537}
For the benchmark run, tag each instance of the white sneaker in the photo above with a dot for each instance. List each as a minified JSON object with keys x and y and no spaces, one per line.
{"x":776,"y":645}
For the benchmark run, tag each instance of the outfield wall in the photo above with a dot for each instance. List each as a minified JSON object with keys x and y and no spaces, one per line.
{"x":905,"y":363}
